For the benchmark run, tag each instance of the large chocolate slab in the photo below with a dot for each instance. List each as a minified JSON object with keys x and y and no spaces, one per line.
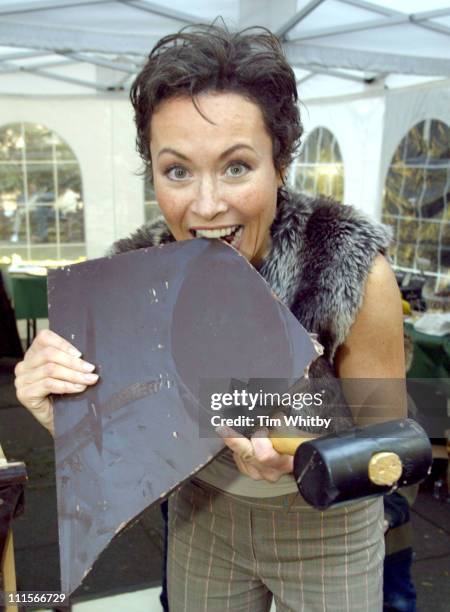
{"x":155,"y":322}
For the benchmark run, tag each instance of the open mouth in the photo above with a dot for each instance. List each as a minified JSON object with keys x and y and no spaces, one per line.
{"x":232,"y":235}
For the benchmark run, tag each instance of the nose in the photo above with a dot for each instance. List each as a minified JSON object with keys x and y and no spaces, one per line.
{"x":208,"y":202}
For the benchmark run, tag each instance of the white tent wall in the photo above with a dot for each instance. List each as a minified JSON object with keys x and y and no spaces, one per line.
{"x":356,"y":124}
{"x":404,"y":109}
{"x":101,"y":133}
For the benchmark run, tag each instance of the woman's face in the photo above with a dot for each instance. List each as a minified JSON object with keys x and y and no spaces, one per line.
{"x":215,"y":176}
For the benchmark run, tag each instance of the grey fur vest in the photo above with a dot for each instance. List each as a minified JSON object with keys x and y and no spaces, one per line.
{"x":317,"y":265}
{"x":320,"y":256}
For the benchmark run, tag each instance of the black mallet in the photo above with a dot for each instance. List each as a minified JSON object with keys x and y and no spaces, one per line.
{"x":358,"y":463}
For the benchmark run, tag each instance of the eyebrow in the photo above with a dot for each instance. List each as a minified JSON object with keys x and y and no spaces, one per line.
{"x":222,"y":155}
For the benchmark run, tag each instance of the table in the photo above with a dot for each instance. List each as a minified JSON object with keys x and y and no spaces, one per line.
{"x":29,"y":295}
{"x":431,"y":354}
{"x":428,"y":380}
{"x":12,"y":479}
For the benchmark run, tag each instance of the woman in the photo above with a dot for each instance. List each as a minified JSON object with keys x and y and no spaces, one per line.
{"x":217,"y":127}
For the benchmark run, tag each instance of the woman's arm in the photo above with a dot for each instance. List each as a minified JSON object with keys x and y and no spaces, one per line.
{"x":374,"y":351}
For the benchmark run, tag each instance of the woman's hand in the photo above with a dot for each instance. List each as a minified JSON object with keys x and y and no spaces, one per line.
{"x":50,"y":365}
{"x":257,"y":457}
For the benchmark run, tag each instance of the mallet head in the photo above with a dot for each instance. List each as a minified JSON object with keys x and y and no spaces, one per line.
{"x":362,"y":462}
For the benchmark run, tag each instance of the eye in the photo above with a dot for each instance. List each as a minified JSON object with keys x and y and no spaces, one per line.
{"x":176,"y":173}
{"x":237,"y":169}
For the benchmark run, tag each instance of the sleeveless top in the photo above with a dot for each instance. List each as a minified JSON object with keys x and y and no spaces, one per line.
{"x":320,"y":255}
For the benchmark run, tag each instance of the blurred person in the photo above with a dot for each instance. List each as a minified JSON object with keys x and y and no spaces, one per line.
{"x":45,"y":212}
{"x":23,"y":206}
{"x":68,"y":206}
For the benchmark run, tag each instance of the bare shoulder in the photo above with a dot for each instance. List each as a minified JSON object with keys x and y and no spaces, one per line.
{"x":381,"y":273}
{"x":382,"y":299}
{"x":374,"y":345}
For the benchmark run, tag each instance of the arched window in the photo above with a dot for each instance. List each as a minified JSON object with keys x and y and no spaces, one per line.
{"x":151,"y":208}
{"x":319,"y":168}
{"x":416,"y":202}
{"x":41,"y":195}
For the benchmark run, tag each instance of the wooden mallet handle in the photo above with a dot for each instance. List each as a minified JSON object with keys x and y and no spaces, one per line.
{"x":288,"y":445}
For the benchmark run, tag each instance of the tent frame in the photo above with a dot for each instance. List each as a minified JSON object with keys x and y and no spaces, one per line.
{"x":101,"y":49}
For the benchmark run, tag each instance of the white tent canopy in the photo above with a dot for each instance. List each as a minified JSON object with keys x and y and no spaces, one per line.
{"x":336,"y":46}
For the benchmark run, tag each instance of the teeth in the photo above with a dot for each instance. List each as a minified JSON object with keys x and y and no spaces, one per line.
{"x":216,"y":233}
{"x":237,"y":237}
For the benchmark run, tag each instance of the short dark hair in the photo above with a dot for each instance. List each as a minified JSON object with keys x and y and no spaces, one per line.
{"x":210,"y":58}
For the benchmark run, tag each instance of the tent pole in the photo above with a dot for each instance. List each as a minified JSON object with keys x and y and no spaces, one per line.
{"x":282,"y":31}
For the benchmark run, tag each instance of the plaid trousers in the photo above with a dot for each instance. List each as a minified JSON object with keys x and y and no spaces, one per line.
{"x":235,"y":553}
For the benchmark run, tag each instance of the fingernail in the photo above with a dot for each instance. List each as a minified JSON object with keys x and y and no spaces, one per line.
{"x":78,"y":387}
{"x":74,"y":352}
{"x":87,"y":367}
{"x":90,"y":377}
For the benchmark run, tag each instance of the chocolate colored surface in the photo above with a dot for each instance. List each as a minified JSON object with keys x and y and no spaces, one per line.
{"x":154,"y":321}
